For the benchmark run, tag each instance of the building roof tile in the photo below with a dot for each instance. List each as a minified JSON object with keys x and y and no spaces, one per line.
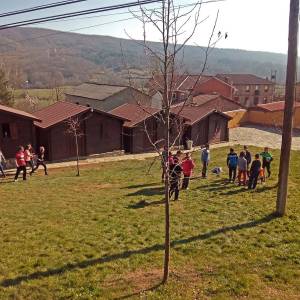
{"x":274,"y":106}
{"x":243,"y":79}
{"x":96,"y":91}
{"x":18,"y":112}
{"x":194,"y":114}
{"x":134,"y":113}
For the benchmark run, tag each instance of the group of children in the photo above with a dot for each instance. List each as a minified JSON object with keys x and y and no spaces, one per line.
{"x":240,"y":167}
{"x":25,"y":158}
{"x":249,"y":172}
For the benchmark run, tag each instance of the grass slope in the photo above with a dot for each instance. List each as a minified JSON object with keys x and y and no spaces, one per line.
{"x":100,"y":236}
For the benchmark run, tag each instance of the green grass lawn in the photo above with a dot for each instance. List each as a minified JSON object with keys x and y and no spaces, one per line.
{"x":100,"y":236}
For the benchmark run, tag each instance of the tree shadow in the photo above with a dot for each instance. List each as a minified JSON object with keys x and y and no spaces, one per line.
{"x":148,"y":192}
{"x":245,"y":189}
{"x":136,"y":186}
{"x":126,"y":254}
{"x":144,"y":203}
{"x":151,"y":289}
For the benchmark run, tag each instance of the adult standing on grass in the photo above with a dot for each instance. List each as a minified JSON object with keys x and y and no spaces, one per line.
{"x":205,"y":158}
{"x":41,"y":160}
{"x":267,"y":159}
{"x":232,"y":163}
{"x":20,"y":163}
{"x":254,"y":172}
{"x":248,"y":157}
{"x":2,"y":160}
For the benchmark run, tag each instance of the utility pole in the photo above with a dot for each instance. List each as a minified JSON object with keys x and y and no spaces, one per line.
{"x":289,"y":109}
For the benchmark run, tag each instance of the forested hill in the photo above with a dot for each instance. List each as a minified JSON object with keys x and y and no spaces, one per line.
{"x":69,"y":58}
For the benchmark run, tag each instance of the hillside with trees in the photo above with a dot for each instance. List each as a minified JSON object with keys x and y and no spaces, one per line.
{"x":45,"y":58}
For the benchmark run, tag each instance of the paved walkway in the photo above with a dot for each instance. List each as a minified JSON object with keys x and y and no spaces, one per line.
{"x":125,"y":157}
{"x":261,"y":136}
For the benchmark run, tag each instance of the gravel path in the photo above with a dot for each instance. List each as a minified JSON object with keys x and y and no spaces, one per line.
{"x":261,"y":136}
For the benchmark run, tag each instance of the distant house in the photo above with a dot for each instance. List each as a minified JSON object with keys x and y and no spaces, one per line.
{"x":101,"y":131}
{"x":203,"y":125}
{"x":215,"y":101}
{"x":251,"y":90}
{"x":16,"y":128}
{"x":106,"y":97}
{"x":183,"y":86}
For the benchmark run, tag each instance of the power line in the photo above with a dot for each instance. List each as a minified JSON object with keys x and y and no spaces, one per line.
{"x":78,"y":13}
{"x":40,"y":7}
{"x":133,"y":11}
{"x":101,"y":24}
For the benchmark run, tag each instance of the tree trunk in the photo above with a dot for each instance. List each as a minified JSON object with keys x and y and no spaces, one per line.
{"x":289,"y":109}
{"x":167,"y":203}
{"x":77,"y":155}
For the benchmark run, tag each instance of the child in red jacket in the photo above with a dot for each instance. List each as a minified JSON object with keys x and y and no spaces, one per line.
{"x":187,"y":168}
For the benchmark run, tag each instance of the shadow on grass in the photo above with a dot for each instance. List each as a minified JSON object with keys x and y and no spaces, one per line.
{"x":151,"y":289}
{"x":136,"y":186}
{"x":148,"y":192}
{"x":144,"y":203}
{"x":259,"y":189}
{"x":123,"y":255}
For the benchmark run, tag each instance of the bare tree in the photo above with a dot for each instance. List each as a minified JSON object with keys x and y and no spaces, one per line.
{"x":74,"y":129}
{"x":170,"y":23}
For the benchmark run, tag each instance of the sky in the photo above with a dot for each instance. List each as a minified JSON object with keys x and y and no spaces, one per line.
{"x":260,"y":25}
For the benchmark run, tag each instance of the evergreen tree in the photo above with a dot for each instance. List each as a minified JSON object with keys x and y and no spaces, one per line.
{"x":5,"y":94}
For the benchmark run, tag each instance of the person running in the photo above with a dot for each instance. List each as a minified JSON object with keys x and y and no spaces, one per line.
{"x":232,"y":163}
{"x":20,"y":163}
{"x":2,"y":160}
{"x":205,"y":158}
{"x":267,"y":158}
{"x":41,"y":160}
{"x":248,"y":157}
{"x":187,"y":168}
{"x":254,"y":172}
{"x":175,"y":174}
{"x":28,"y":155}
{"x":242,"y":165}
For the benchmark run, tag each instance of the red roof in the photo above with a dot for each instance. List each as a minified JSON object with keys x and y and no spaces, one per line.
{"x":182,"y":82}
{"x":194,"y":114}
{"x":58,"y":112}
{"x":205,"y":98}
{"x":274,"y":106}
{"x":18,"y":112}
{"x":243,"y":79}
{"x":134,"y":113}
{"x":61,"y":111}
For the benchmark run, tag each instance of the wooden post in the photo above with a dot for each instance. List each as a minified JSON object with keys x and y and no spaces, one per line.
{"x":289,"y":109}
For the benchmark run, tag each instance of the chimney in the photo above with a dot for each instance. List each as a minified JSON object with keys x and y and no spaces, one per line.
{"x":226,"y":79}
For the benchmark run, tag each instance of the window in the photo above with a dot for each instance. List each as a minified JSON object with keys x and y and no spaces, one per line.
{"x":257,"y":88}
{"x":265,"y":100}
{"x":266,"y":88}
{"x":6,"y":130}
{"x":256,"y":100}
{"x":247,"y":88}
